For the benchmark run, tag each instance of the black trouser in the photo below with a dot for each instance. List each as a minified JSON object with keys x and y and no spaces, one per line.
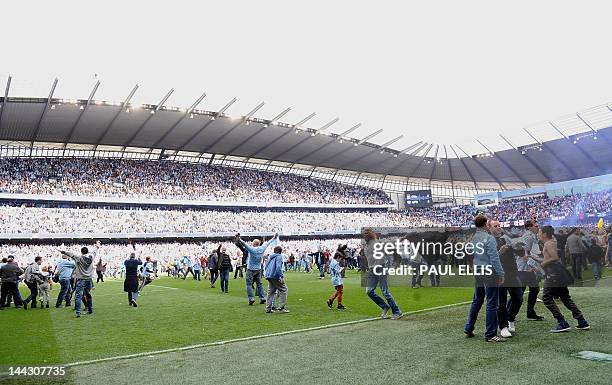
{"x":550,"y":293}
{"x":196,"y":274}
{"x":100,"y":277}
{"x":214,"y":274}
{"x":532,"y":298}
{"x":189,"y":270}
{"x":33,"y":286}
{"x":577,"y":261}
{"x":8,"y":290}
{"x":507,"y":313}
{"x":238,"y":269}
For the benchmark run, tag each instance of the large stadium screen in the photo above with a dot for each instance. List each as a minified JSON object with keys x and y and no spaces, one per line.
{"x":418,"y":198}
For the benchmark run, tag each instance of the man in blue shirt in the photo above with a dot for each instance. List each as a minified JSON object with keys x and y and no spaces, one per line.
{"x":188,"y":267}
{"x":64,"y":269}
{"x":485,"y":255}
{"x":276,"y":281}
{"x":197,"y":267}
{"x":253,"y":274}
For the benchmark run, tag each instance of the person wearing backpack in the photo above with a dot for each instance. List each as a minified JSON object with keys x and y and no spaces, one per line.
{"x":32,"y":279}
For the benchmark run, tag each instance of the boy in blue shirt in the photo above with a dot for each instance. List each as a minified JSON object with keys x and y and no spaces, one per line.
{"x":336,"y":280}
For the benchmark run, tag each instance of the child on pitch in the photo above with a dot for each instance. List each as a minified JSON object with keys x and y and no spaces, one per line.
{"x":336,"y":280}
{"x":44,"y":288}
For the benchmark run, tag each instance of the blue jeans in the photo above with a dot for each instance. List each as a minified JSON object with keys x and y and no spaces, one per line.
{"x":597,"y":268}
{"x":254,"y":276}
{"x":64,"y":294}
{"x":224,"y":274}
{"x":374,"y":280}
{"x":322,"y":270}
{"x":484,"y":287}
{"x":83,"y":287}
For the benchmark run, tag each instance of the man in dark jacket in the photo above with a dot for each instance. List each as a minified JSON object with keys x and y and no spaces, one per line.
{"x":506,"y":315}
{"x":130,"y":285}
{"x":9,"y":273}
{"x":224,"y":265}
{"x":213,"y":268}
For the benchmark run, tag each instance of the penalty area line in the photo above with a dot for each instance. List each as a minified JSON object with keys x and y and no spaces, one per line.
{"x":250,"y":338}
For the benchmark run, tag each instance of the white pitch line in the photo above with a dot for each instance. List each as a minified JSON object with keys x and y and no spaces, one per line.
{"x":165,"y":287}
{"x":250,"y":338}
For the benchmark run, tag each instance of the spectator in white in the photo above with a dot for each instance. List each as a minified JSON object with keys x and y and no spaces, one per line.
{"x":32,"y":278}
{"x":84,"y":273}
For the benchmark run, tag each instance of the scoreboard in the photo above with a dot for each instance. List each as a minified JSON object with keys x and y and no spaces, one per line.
{"x":418,"y":198}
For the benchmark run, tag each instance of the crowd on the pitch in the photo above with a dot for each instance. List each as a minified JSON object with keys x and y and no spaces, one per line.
{"x":173,"y":180}
{"x":166,"y":254}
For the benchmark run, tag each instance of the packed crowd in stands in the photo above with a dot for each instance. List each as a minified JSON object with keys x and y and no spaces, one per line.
{"x":519,"y":209}
{"x":172,"y":180}
{"x":15,"y":220}
{"x":42,"y":220}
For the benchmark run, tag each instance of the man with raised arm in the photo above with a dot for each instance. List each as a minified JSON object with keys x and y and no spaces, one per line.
{"x":84,"y":271}
{"x":253,"y":273}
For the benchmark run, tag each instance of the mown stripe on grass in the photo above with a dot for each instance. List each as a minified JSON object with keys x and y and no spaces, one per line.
{"x":250,"y":338}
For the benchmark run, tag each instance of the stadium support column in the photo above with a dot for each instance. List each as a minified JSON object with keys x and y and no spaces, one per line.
{"x":5,"y":100}
{"x":289,"y":131}
{"x":435,"y":161}
{"x":339,"y":137}
{"x":42,"y":116}
{"x":313,"y":134}
{"x":580,"y":149}
{"x":268,"y":123}
{"x":380,"y":148}
{"x":498,"y":157}
{"x":187,"y":113}
{"x":68,"y":137}
{"x":419,"y":163}
{"x":244,"y":119}
{"x":593,"y":129}
{"x":355,"y":144}
{"x":203,"y":128}
{"x":144,"y":123}
{"x":557,"y":158}
{"x":465,"y":167}
{"x":496,"y":179}
{"x":450,"y":174}
{"x":125,"y":107}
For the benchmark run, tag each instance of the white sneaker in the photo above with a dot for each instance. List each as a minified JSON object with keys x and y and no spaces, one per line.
{"x":385,"y":313}
{"x":505,"y":333}
{"x":511,"y":327}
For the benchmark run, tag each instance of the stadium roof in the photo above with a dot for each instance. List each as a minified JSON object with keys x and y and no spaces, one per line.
{"x":583,"y":147}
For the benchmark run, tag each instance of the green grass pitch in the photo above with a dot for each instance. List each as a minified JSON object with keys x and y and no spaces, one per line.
{"x":426,"y":347}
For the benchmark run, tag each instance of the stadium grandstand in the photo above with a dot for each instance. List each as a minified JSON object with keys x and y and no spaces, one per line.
{"x":153,"y":236}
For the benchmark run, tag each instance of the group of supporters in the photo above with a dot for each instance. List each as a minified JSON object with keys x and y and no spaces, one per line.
{"x":521,"y":263}
{"x":173,"y":180}
{"x":75,"y":272}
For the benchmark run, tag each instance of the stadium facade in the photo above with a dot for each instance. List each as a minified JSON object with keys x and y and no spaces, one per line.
{"x":52,"y":127}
